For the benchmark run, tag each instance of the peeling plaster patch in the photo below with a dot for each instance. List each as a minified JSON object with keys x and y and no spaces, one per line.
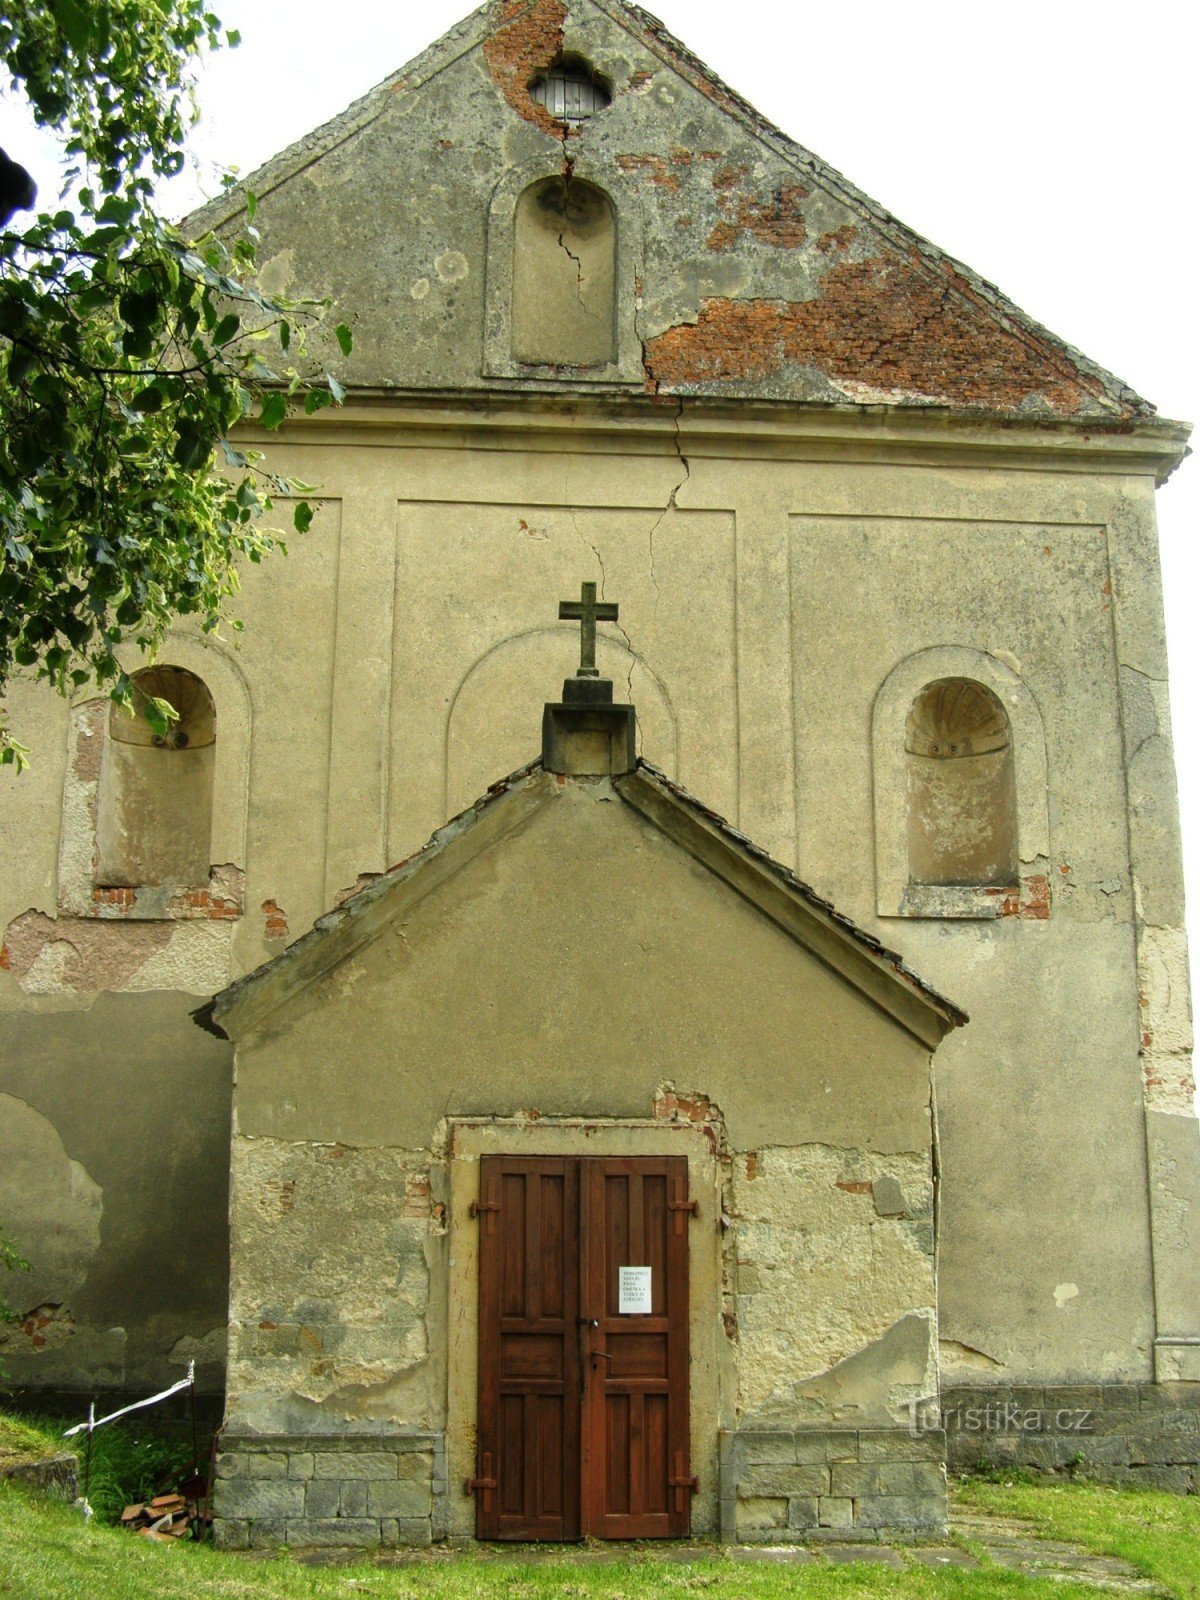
{"x":882,"y":328}
{"x":653,"y":168}
{"x":330,"y":1285}
{"x":953,"y":1353}
{"x":53,"y":1206}
{"x":206,"y":1350}
{"x":869,"y":1387}
{"x":1064,"y":1294}
{"x":276,"y":274}
{"x":803,"y":1241}
{"x":276,"y":925}
{"x":452,"y":266}
{"x":79,"y":955}
{"x":363,"y":881}
{"x":838,"y":240}
{"x":528,"y":39}
{"x":778,"y":222}
{"x":47,"y":1326}
{"x":1166,"y":1026}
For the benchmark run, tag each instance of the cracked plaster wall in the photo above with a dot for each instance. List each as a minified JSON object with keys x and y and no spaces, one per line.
{"x":768,"y":584}
{"x":341,"y":1160}
{"x":761,"y":273}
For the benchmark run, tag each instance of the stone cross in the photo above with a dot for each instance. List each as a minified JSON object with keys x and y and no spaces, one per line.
{"x":588,"y":611}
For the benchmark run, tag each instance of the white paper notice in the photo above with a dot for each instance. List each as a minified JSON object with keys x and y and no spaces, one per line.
{"x":634,"y":1291}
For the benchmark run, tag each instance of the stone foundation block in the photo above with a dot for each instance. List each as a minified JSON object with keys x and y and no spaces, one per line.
{"x":835,"y":1513}
{"x":816,"y":1482}
{"x":784,"y":1481}
{"x":322,"y":1498}
{"x":803,"y":1512}
{"x":338,"y":1532}
{"x":350,"y":1491}
{"x":252,"y":1498}
{"x":268,"y":1533}
{"x":403,"y":1500}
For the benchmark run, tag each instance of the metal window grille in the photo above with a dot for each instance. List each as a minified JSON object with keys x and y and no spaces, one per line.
{"x":569,"y":96}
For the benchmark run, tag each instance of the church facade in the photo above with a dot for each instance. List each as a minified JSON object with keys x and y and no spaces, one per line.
{"x":886,"y":559}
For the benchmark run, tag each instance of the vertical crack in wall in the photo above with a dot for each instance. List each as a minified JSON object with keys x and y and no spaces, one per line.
{"x":634,"y":656}
{"x":672,"y":499}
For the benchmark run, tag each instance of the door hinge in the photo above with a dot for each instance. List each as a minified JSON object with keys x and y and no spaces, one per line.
{"x":484,"y":1483}
{"x":480,"y":1206}
{"x":681,"y":1204}
{"x":682,"y":1483}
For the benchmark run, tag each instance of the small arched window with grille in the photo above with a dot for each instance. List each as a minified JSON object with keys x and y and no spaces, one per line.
{"x":962,"y":792}
{"x":571,"y":91}
{"x":154,"y":819}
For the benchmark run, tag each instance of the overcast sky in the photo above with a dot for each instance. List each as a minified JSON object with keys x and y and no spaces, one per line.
{"x":1051,"y":144}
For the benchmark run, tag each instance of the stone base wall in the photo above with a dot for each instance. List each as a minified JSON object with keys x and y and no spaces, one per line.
{"x":1143,"y":1434}
{"x":805,"y":1485}
{"x":335,"y":1491}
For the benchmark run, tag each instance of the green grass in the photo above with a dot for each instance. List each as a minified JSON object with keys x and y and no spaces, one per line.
{"x":47,"y":1553}
{"x":28,"y":1439}
{"x":1157,"y":1533}
{"x":131,"y":1460}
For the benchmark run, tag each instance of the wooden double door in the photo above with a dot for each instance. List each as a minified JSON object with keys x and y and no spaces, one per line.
{"x":583,"y":1348}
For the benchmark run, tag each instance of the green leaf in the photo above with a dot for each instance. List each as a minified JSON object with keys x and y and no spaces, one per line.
{"x":303,"y":516}
{"x":148,"y":400}
{"x":72,"y":18}
{"x":335,"y":388}
{"x":226,"y":328}
{"x":274,"y":410}
{"x":345,"y":338}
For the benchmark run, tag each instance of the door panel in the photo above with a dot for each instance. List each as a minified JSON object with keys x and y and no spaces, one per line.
{"x":528,"y":1349}
{"x":583,"y":1408}
{"x":636,"y":1393}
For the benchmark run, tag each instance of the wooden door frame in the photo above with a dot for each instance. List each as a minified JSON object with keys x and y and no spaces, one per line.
{"x":711,"y":1399}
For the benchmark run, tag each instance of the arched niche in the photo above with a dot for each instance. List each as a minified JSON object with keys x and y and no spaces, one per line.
{"x":962,"y":792}
{"x":495,"y":720}
{"x":154,"y":819}
{"x":94,"y":756}
{"x":564,"y":275}
{"x":518,"y":190}
{"x":960,"y":786}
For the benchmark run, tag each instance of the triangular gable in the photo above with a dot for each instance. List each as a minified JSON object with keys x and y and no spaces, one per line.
{"x":840,"y":303}
{"x":812,"y":922}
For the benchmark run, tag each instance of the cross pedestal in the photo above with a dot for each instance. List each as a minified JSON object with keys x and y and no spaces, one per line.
{"x":585,"y":734}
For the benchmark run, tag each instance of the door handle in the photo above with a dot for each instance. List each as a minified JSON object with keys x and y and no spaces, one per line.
{"x":601,"y":1355}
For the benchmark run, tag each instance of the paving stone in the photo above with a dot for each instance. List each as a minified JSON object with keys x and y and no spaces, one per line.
{"x":945,"y":1556}
{"x":880,"y":1555}
{"x":791,"y":1555}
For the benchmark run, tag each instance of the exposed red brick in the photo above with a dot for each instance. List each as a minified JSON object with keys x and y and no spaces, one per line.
{"x":94,"y":953}
{"x":653,"y":168}
{"x":1031,"y":900}
{"x":5,"y":958}
{"x":528,"y":40}
{"x":751,"y":1166}
{"x":277,"y":927}
{"x":778,"y":222}
{"x":670,"y":1106}
{"x":124,"y":898}
{"x":418,"y":1196}
{"x":854,"y":1188}
{"x":838,"y":241}
{"x":640,"y":80}
{"x":884,"y":325}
